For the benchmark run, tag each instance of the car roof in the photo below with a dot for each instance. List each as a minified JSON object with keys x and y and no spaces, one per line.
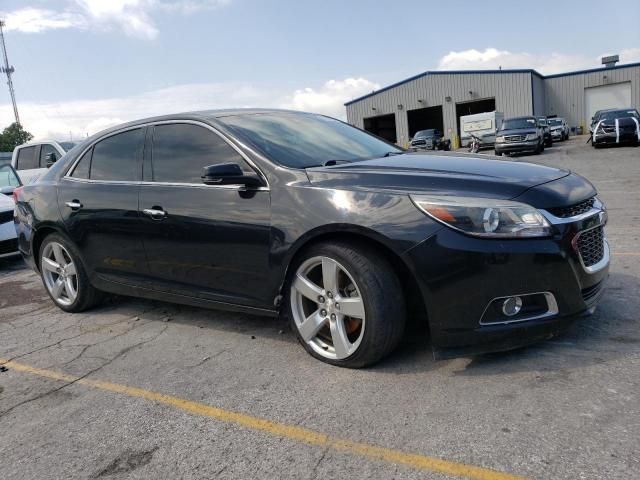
{"x":201,"y":115}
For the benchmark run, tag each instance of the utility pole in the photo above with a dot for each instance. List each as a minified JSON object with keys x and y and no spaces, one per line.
{"x":9,"y":71}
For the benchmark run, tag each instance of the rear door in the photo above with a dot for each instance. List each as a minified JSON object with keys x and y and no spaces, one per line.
{"x":98,"y":200}
{"x":210,"y":241}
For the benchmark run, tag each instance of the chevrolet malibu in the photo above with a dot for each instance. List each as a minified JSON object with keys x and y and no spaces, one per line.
{"x":277,"y":212}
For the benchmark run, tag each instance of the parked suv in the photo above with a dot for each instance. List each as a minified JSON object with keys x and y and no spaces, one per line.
{"x":559,"y":128}
{"x":33,"y":159}
{"x":430,"y":139}
{"x":518,"y":135}
{"x":546,"y":131}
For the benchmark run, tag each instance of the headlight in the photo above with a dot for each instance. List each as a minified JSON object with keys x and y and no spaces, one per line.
{"x":485,"y":217}
{"x":500,"y":139}
{"x":532,"y":136}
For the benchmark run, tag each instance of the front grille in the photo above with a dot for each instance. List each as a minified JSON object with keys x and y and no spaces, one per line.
{"x":573,"y":210}
{"x":6,"y":217}
{"x":9,"y":246}
{"x":591,"y":246}
{"x":418,"y":142}
{"x":514,"y":138}
{"x":590,"y":293}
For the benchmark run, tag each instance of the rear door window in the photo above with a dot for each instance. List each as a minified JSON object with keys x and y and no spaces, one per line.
{"x":81,"y":169}
{"x":116,"y":158}
{"x":27,"y":158}
{"x":182,"y":150}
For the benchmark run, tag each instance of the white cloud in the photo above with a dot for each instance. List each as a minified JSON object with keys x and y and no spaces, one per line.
{"x":36,"y":20}
{"x":134,"y":17}
{"x":330,"y":98}
{"x":82,"y":117}
{"x":492,"y":58}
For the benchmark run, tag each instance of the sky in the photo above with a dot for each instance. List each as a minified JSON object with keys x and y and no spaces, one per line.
{"x":84,"y":65}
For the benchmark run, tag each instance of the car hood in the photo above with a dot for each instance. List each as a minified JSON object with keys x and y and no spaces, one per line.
{"x":442,"y":174}
{"x":520,"y":131}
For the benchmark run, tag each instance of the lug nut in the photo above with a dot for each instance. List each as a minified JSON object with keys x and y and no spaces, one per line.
{"x":320,"y":299}
{"x":333,"y":316}
{"x":329,"y":294}
{"x":337,"y":305}
{"x":323,"y":312}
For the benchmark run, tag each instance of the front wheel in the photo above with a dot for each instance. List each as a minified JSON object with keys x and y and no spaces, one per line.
{"x":345,"y":304}
{"x":64,"y":276}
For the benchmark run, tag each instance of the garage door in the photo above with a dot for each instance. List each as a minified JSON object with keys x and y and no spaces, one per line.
{"x":617,"y":95}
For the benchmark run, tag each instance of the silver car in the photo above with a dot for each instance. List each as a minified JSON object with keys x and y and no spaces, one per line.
{"x":559,"y":128}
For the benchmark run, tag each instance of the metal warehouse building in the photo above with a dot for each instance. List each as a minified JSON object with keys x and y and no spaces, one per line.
{"x":438,"y":99}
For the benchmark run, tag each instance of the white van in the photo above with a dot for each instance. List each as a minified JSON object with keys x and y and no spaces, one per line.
{"x":31,"y":160}
{"x":482,"y":125}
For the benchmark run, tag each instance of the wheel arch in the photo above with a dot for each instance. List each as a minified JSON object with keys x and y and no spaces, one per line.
{"x":416,"y":303}
{"x":38,"y":237}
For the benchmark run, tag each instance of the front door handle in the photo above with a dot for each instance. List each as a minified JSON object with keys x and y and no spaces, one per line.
{"x":157,"y":213}
{"x":74,"y":204}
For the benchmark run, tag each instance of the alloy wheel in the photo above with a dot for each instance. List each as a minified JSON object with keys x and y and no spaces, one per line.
{"x":328,"y":309}
{"x":59,"y":273}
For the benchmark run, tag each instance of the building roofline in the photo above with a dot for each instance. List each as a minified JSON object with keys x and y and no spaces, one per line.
{"x":593,"y":70}
{"x":458,"y":72}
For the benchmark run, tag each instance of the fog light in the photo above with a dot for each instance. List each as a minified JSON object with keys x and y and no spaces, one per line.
{"x":512,"y":306}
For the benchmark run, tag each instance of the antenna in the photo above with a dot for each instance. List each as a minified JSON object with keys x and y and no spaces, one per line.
{"x":9,"y":71}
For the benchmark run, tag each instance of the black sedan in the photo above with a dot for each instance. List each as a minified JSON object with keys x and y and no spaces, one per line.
{"x":277,"y":212}
{"x":617,"y":127}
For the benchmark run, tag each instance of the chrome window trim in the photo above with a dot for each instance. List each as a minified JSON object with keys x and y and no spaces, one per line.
{"x":252,"y":164}
{"x":165,"y":184}
{"x":552,"y":309}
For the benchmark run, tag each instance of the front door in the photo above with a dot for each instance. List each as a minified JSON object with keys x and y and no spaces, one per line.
{"x":203,"y":240}
{"x":98,"y":201}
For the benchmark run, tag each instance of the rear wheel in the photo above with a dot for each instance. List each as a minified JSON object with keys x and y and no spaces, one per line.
{"x":64,"y":276}
{"x":345,"y":304}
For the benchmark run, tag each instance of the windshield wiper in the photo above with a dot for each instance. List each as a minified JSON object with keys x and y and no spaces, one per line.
{"x":389,"y":154}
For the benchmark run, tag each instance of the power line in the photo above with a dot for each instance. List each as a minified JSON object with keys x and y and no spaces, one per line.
{"x":9,"y":71}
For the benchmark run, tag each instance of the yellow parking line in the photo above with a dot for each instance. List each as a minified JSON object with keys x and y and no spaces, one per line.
{"x":419,"y":462}
{"x":626,"y":254}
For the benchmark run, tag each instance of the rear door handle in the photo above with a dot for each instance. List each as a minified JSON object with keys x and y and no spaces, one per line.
{"x":157,"y":213}
{"x":74,"y":204}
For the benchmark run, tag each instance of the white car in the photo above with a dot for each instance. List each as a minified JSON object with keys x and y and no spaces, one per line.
{"x":9,"y":181}
{"x":34,"y":158}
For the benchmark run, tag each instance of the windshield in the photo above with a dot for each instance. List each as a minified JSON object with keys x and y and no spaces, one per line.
{"x":67,"y":145}
{"x":302,"y":140}
{"x":425,"y":134}
{"x":518,"y":123}
{"x":619,"y":114}
{"x":8,"y":177}
{"x":554,"y":122}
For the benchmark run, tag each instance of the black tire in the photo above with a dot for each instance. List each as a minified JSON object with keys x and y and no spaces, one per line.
{"x":539,"y":149}
{"x":499,"y":154}
{"x":383,"y":300}
{"x":88,"y":296}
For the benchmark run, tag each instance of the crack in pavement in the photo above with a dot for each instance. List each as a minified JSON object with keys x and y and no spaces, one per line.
{"x":120,"y":354}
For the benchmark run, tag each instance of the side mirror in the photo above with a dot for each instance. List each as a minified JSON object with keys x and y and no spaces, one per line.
{"x":7,"y":190}
{"x":229,"y":174}
{"x":50,"y":159}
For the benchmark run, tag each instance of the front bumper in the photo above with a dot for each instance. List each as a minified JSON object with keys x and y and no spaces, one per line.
{"x":459,"y":276}
{"x":528,"y":146}
{"x":613,"y":138}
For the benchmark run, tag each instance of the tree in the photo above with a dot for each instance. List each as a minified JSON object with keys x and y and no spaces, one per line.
{"x":12,"y":136}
